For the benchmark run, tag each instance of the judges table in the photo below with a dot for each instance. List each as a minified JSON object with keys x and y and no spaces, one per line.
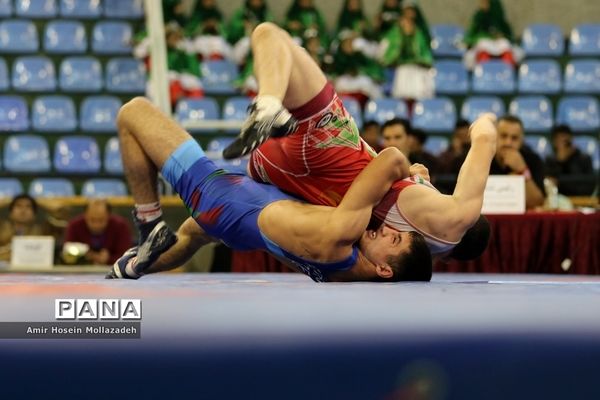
{"x":535,"y":242}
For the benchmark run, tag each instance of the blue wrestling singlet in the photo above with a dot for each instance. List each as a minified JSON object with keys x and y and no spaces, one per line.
{"x":227,"y":205}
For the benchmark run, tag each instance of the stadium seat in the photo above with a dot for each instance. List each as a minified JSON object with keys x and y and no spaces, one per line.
{"x":195,"y":111}
{"x":14,"y":114}
{"x":99,"y":114}
{"x":539,"y":144}
{"x":80,"y":74}
{"x":214,"y":152}
{"x":10,"y":187}
{"x":65,"y":37}
{"x":113,"y":164}
{"x":33,"y":74}
{"x":51,"y":187}
{"x":384,"y":109}
{"x":53,"y":114}
{"x":539,"y":77}
{"x":388,"y":80}
{"x":434,"y":115}
{"x":447,"y":40}
{"x":36,"y":8}
{"x":77,"y":155}
{"x":535,"y":112}
{"x":98,"y":187}
{"x":6,"y":8}
{"x":125,"y":75}
{"x":4,"y":79}
{"x":543,"y":40}
{"x":112,"y":37}
{"x":581,"y":113}
{"x":436,"y":144}
{"x":129,"y":9}
{"x":451,"y":77}
{"x":235,"y":109}
{"x":493,"y":77}
{"x":80,"y":9}
{"x":353,"y":107}
{"x":218,"y":76}
{"x":18,"y":36}
{"x":589,"y":146}
{"x":27,"y":154}
{"x":476,"y":105}
{"x":582,"y":76}
{"x":585,"y":40}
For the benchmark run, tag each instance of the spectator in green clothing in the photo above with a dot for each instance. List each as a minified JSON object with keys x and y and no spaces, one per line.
{"x":353,"y":18}
{"x":245,"y":19}
{"x":312,"y":43}
{"x":303,"y":15}
{"x":207,"y":32}
{"x":411,"y":9}
{"x":175,"y":11}
{"x":490,"y":36}
{"x":388,"y":16}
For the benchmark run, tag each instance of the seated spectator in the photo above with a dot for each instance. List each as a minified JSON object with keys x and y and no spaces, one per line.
{"x":395,"y":134}
{"x":107,"y":235}
{"x":417,"y":139}
{"x":312,"y":44}
{"x":22,"y":213}
{"x":388,"y":17}
{"x":206,"y":16}
{"x":449,"y":161}
{"x":405,"y":47}
{"x":490,"y":36}
{"x":246,"y":18}
{"x":303,"y":15}
{"x":568,"y":160}
{"x":353,"y":18}
{"x":175,"y":11}
{"x":513,"y":157}
{"x":372,"y":135}
{"x":411,"y":9}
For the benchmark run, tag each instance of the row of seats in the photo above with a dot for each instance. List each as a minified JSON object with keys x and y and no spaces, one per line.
{"x":76,"y":74}
{"x":81,"y":9}
{"x":538,"y":40}
{"x":20,"y":36}
{"x":540,"y":76}
{"x":62,"y":187}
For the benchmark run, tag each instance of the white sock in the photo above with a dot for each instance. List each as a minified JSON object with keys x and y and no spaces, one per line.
{"x":148,"y":212}
{"x":268,"y":106}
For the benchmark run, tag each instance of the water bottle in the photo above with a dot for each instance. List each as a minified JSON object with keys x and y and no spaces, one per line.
{"x":551,"y":194}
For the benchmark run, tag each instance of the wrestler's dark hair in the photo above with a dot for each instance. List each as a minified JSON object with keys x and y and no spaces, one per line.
{"x":474,"y":242}
{"x":23,"y":196}
{"x":415,"y":265}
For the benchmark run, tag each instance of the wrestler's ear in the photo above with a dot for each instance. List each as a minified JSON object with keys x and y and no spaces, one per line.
{"x":384,"y":271}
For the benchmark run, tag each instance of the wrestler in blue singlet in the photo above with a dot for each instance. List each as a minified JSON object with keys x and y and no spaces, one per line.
{"x":227,"y":205}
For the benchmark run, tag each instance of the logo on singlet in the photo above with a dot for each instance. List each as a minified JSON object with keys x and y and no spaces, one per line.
{"x":341,"y":129}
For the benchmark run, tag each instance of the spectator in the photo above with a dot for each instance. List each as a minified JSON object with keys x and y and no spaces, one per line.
{"x":206,"y":17}
{"x":303,"y":15}
{"x":372,"y":135}
{"x":245,"y":19}
{"x":449,"y":161}
{"x":22,"y":212}
{"x":353,"y":18}
{"x":490,"y":36}
{"x":108,"y":236}
{"x":395,"y":134}
{"x":411,"y":9}
{"x":312,"y":44}
{"x":175,"y":11}
{"x":512,"y":157}
{"x":388,"y":16}
{"x":568,"y":160}
{"x":416,"y":140}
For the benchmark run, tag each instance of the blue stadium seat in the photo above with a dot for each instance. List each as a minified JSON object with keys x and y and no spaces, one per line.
{"x":80,"y":74}
{"x":581,"y":113}
{"x":18,"y":36}
{"x":65,"y":37}
{"x":539,"y":144}
{"x":436,"y":144}
{"x":214,"y":152}
{"x":4,"y":79}
{"x":535,"y":112}
{"x":434,"y":115}
{"x":51,"y":187}
{"x":353,"y":107}
{"x":493,"y":77}
{"x":218,"y":77}
{"x":235,"y":109}
{"x":582,"y":76}
{"x":99,"y":113}
{"x":10,"y":187}
{"x":33,"y":74}
{"x":388,"y":80}
{"x":451,"y":77}
{"x":6,"y":8}
{"x":98,"y":187}
{"x":447,"y":40}
{"x":53,"y":114}
{"x":384,"y":109}
{"x":196,"y":110}
{"x":77,"y":155}
{"x":36,"y":8}
{"x":113,"y":164}
{"x":543,"y":40}
{"x":585,"y":40}
{"x":112,"y":37}
{"x":26,"y":153}
{"x":129,"y":9}
{"x":125,"y":75}
{"x":539,"y":77}
{"x":476,"y":105}
{"x":14,"y":114}
{"x":589,"y":146}
{"x":80,"y":9}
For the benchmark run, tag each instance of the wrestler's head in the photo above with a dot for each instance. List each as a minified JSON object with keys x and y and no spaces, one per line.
{"x":397,"y":256}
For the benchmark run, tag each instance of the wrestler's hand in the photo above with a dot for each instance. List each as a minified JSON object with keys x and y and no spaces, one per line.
{"x":484,"y":127}
{"x":421,"y":170}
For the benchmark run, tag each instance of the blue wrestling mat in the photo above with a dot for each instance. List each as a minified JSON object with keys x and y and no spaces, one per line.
{"x":281,"y":336}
